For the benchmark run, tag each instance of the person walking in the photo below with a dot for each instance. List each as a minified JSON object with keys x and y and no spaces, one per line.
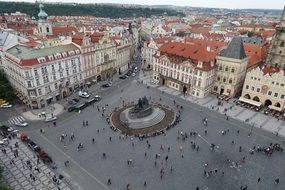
{"x":258,"y":180}
{"x":276,"y":181}
{"x":109,"y":181}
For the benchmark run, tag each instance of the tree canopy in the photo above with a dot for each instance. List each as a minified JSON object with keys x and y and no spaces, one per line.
{"x":6,"y":91}
{"x":98,"y":10}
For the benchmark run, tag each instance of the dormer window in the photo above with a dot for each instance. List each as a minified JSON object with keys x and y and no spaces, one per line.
{"x":77,"y":51}
{"x":58,"y":56}
{"x":50,"y":57}
{"x":64,"y":54}
{"x":71,"y":53}
{"x":41,"y":59}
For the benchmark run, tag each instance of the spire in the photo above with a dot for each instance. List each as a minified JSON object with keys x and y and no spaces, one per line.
{"x":42,"y":14}
{"x":282,"y":23}
{"x":235,"y":49}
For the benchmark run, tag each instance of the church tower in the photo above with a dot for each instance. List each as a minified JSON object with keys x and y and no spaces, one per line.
{"x":44,"y":27}
{"x":276,"y":54}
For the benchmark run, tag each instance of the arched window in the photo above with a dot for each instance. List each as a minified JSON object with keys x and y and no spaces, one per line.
{"x":219,"y":78}
{"x":47,"y":29}
{"x":226,"y":69}
{"x":233,"y":70}
{"x":230,"y":81}
{"x":282,"y":44}
{"x":220,"y":68}
{"x":224,"y":80}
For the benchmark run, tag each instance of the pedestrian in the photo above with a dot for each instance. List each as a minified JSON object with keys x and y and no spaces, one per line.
{"x":166,"y":158}
{"x":206,"y":132}
{"x":93,"y":140}
{"x":110,"y":139}
{"x":144,"y":184}
{"x":109,"y":181}
{"x":258,"y":180}
{"x":276,"y":181}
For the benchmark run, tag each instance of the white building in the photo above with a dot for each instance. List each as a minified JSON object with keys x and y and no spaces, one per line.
{"x":42,"y":76}
{"x":186,"y":68}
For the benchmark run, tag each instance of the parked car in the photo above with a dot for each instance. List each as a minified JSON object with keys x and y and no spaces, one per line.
{"x":4,"y":142}
{"x":6,"y":105}
{"x":133,"y":74}
{"x":83,"y":94}
{"x":71,"y":108}
{"x":97,"y":97}
{"x":106,"y":85}
{"x":123,"y":77}
{"x":7,"y":129}
{"x":73,"y":101}
{"x":49,"y":119}
{"x":22,"y":124}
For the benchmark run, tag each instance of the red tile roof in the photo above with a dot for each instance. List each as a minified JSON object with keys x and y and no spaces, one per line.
{"x":269,"y":70}
{"x":57,"y":30}
{"x":193,"y":52}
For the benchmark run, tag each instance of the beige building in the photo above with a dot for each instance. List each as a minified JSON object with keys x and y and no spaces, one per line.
{"x":123,"y":54}
{"x":266,"y":86}
{"x":187,"y":68}
{"x":105,"y":57}
{"x":231,"y":69}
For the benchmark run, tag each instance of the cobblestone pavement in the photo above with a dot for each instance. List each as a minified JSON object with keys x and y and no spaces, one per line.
{"x":257,"y":119}
{"x":18,"y":175}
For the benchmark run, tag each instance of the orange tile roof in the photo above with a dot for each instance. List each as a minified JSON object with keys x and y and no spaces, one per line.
{"x":269,"y":70}
{"x":193,"y":52}
{"x":56,"y":30}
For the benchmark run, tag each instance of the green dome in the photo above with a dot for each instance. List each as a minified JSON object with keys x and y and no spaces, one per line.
{"x":42,"y":14}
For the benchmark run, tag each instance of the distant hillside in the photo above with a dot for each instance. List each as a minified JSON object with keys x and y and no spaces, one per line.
{"x":97,"y":10}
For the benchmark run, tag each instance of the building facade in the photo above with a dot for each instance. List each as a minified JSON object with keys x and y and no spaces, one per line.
{"x":105,"y":58}
{"x":123,"y":54}
{"x":231,"y":69}
{"x":265,"y":86}
{"x":186,"y":68}
{"x":43,"y":76}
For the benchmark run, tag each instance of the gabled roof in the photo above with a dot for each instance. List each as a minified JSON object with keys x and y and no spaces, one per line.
{"x":235,"y":49}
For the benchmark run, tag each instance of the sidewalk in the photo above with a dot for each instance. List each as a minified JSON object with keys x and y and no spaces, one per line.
{"x":253,"y":118}
{"x":54,"y":109}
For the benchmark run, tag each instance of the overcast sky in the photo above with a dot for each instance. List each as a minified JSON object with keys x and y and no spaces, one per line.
{"x":264,"y":4}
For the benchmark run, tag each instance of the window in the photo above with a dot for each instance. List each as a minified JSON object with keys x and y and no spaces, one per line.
{"x":38,"y":82}
{"x":246,"y":87}
{"x":46,"y":80}
{"x":55,"y":85}
{"x":269,"y":93}
{"x":233,"y":70}
{"x":258,"y":90}
{"x":54,"y":77}
{"x":219,"y":78}
{"x":230,"y":81}
{"x":220,"y":68}
{"x":272,"y":82}
{"x":252,"y":88}
{"x":276,"y":95}
{"x":282,"y":84}
{"x":282,"y":44}
{"x":224,"y":79}
{"x":29,"y":84}
{"x":226,"y":69}
{"x":52,"y":68}
{"x":36,"y":72}
{"x":282,"y":96}
{"x":40,"y":92}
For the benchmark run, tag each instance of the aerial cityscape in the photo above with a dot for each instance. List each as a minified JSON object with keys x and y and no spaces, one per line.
{"x":125,"y":95}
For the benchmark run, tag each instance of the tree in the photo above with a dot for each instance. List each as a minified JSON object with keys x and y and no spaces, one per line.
{"x":3,"y":186}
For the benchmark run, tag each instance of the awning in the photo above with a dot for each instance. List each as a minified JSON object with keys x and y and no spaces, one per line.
{"x":275,"y":108}
{"x":252,"y":102}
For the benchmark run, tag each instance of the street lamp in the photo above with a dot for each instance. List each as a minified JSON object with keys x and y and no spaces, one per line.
{"x":251,"y":130}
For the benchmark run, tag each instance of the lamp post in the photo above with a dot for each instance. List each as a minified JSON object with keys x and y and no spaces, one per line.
{"x":251,"y":130}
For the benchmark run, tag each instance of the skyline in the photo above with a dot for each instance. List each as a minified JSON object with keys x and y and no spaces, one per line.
{"x":241,"y":4}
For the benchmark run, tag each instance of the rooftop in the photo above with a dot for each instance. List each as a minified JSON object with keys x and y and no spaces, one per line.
{"x":235,"y":49}
{"x":24,"y":52}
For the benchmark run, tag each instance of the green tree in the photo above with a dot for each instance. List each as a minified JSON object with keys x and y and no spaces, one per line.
{"x":3,"y":186}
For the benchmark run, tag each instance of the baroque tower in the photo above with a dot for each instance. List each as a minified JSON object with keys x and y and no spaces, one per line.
{"x":44,"y":27}
{"x":276,"y":54}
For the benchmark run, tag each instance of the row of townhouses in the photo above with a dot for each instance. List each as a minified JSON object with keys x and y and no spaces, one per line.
{"x":42,"y":75}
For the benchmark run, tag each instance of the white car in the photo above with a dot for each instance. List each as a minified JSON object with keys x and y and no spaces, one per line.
{"x":22,"y":124}
{"x":4,"y":142}
{"x":83,"y":94}
{"x":48,"y":119}
{"x":6,"y":105}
